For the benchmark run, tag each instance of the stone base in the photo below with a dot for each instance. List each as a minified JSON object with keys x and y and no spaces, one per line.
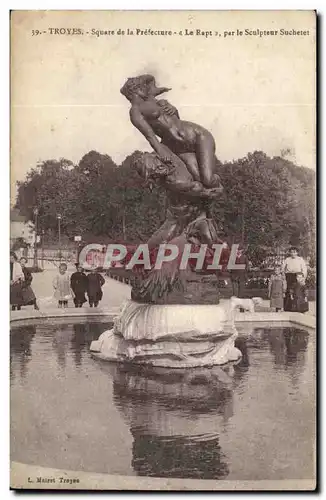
{"x":170,"y":336}
{"x":197,"y":289}
{"x":115,"y":348}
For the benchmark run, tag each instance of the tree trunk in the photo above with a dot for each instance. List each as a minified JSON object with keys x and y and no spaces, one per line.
{"x":242,"y":222}
{"x":124,"y":224}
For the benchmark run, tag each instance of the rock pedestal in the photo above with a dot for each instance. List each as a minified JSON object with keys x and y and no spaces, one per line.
{"x":174,"y":336}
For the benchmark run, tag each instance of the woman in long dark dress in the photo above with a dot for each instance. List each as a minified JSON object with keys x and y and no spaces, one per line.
{"x":16,"y":279}
{"x":29,"y":298}
{"x":78,"y":284}
{"x":301,"y":303}
{"x":95,"y":281}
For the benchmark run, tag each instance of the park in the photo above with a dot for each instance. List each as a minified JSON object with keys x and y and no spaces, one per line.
{"x":166,"y":379}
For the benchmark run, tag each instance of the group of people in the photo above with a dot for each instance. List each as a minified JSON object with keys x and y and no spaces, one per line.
{"x":287,"y":285}
{"x":78,"y":285}
{"x":65,"y":286}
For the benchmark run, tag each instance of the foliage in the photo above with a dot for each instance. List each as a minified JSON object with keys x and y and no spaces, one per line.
{"x":311,"y":279}
{"x":267,"y":202}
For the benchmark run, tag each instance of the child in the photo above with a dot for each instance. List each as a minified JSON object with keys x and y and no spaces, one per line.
{"x":61,"y":285}
{"x":277,"y":289}
{"x":95,"y":281}
{"x":300,"y":295}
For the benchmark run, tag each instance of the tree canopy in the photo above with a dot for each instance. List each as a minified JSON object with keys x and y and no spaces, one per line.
{"x":267,"y":202}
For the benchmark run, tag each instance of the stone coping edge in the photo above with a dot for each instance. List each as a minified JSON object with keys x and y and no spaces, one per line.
{"x":19,"y":316}
{"x":306,"y":320}
{"x":24,"y":476}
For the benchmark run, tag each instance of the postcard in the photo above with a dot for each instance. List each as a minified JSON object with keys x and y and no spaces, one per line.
{"x":163,"y":250}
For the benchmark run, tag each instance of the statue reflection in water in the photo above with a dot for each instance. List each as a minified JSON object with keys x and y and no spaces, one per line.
{"x":175,"y":418}
{"x":20,"y":349}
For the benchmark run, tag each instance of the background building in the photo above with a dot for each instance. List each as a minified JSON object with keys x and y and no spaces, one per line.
{"x":21,"y":229}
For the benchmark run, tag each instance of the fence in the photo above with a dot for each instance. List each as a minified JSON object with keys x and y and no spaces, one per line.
{"x":274,"y":258}
{"x":47,"y":255}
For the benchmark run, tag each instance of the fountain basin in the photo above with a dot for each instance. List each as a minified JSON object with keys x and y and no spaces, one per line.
{"x":278,"y":350}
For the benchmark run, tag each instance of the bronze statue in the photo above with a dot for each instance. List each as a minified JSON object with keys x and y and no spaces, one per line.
{"x":193,"y":144}
{"x":183,"y":163}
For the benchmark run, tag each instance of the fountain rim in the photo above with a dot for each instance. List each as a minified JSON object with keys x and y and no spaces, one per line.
{"x":18,"y":317}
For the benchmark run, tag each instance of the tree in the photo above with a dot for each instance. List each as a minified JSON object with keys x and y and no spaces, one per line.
{"x":141,"y":210}
{"x":47,"y":187}
{"x":92,"y":204}
{"x":267,"y":202}
{"x":264,"y":202}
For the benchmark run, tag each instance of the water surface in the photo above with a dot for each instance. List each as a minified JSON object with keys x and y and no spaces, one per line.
{"x":248,"y":422}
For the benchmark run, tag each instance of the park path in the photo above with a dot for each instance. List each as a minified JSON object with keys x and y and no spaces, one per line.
{"x":114,"y":292}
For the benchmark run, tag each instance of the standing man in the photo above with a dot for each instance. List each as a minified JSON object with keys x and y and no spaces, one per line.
{"x":78,"y":284}
{"x":95,"y":281}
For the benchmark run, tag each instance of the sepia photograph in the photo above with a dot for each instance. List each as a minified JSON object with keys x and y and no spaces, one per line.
{"x":163,"y":250}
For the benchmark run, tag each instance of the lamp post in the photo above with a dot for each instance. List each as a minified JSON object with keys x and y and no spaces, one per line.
{"x":42,"y":243}
{"x":77,"y":242}
{"x":243,"y":221}
{"x":59,"y":234}
{"x":35,"y":212}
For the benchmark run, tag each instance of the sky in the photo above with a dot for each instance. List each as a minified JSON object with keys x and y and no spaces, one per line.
{"x":251,"y":92}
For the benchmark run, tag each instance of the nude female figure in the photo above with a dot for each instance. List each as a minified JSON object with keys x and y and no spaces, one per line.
{"x":193,"y":144}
